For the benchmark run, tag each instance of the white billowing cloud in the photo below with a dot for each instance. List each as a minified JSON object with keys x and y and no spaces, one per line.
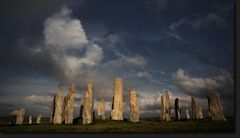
{"x":63,"y":31}
{"x":74,"y":65}
{"x":199,"y":87}
{"x":67,"y":44}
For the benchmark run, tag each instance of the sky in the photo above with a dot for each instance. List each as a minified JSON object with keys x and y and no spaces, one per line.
{"x":186,"y":47}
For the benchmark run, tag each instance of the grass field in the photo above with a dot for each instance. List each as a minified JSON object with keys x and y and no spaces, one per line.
{"x":146,"y":125}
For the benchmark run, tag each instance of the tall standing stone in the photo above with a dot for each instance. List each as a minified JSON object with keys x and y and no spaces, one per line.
{"x":196,"y":109}
{"x":101,"y":110}
{"x":177,"y":109}
{"x":19,"y":113}
{"x":88,"y":105}
{"x":187,"y":114}
{"x":30,"y":120}
{"x":134,"y":108}
{"x":52,"y":113}
{"x":117,"y":112}
{"x":81,"y":108}
{"x":215,"y":110}
{"x":57,"y":110}
{"x":165,"y":110}
{"x":39,"y":118}
{"x":69,"y":104}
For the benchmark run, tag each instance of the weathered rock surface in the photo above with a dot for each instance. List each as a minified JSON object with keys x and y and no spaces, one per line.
{"x":215,"y":110}
{"x":134,"y":108}
{"x":30,"y":120}
{"x":68,"y":104}
{"x":39,"y":118}
{"x":196,"y":109}
{"x":117,"y":112}
{"x":57,"y":110}
{"x":88,"y":105}
{"x":177,"y":109}
{"x":101,"y":110}
{"x":187,"y":114}
{"x":19,"y":113}
{"x":165,"y":110}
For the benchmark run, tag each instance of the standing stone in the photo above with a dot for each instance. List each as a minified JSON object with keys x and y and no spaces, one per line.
{"x":215,"y":110}
{"x":39,"y":119}
{"x":117,"y":112}
{"x":165,"y":107}
{"x":187,"y":114}
{"x":196,"y":109}
{"x":52,"y":113}
{"x":134,"y":108}
{"x":63,"y":109}
{"x":19,"y":113}
{"x":30,"y":120}
{"x":101,"y":110}
{"x":69,"y":104}
{"x":88,"y":105}
{"x":57,"y":110}
{"x":177,"y":109}
{"x":81,"y":108}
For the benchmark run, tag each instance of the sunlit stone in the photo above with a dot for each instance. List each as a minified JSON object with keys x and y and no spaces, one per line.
{"x":88,"y":105}
{"x":214,"y":106}
{"x":101,"y":110}
{"x":134,"y":108}
{"x":196,"y":109}
{"x":165,"y":110}
{"x":68,"y":104}
{"x":57,"y":110}
{"x":117,"y":112}
{"x":19,"y":113}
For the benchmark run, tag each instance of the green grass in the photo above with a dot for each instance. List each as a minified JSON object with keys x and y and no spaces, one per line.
{"x":146,"y":125}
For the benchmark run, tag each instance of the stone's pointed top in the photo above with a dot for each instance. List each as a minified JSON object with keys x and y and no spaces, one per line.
{"x":73,"y":86}
{"x":166,"y":92}
{"x":58,"y":92}
{"x":212,"y":93}
{"x":89,"y":86}
{"x":118,"y":79}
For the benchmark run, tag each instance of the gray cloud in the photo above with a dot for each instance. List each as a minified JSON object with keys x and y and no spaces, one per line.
{"x":199,"y":21}
{"x":199,"y":87}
